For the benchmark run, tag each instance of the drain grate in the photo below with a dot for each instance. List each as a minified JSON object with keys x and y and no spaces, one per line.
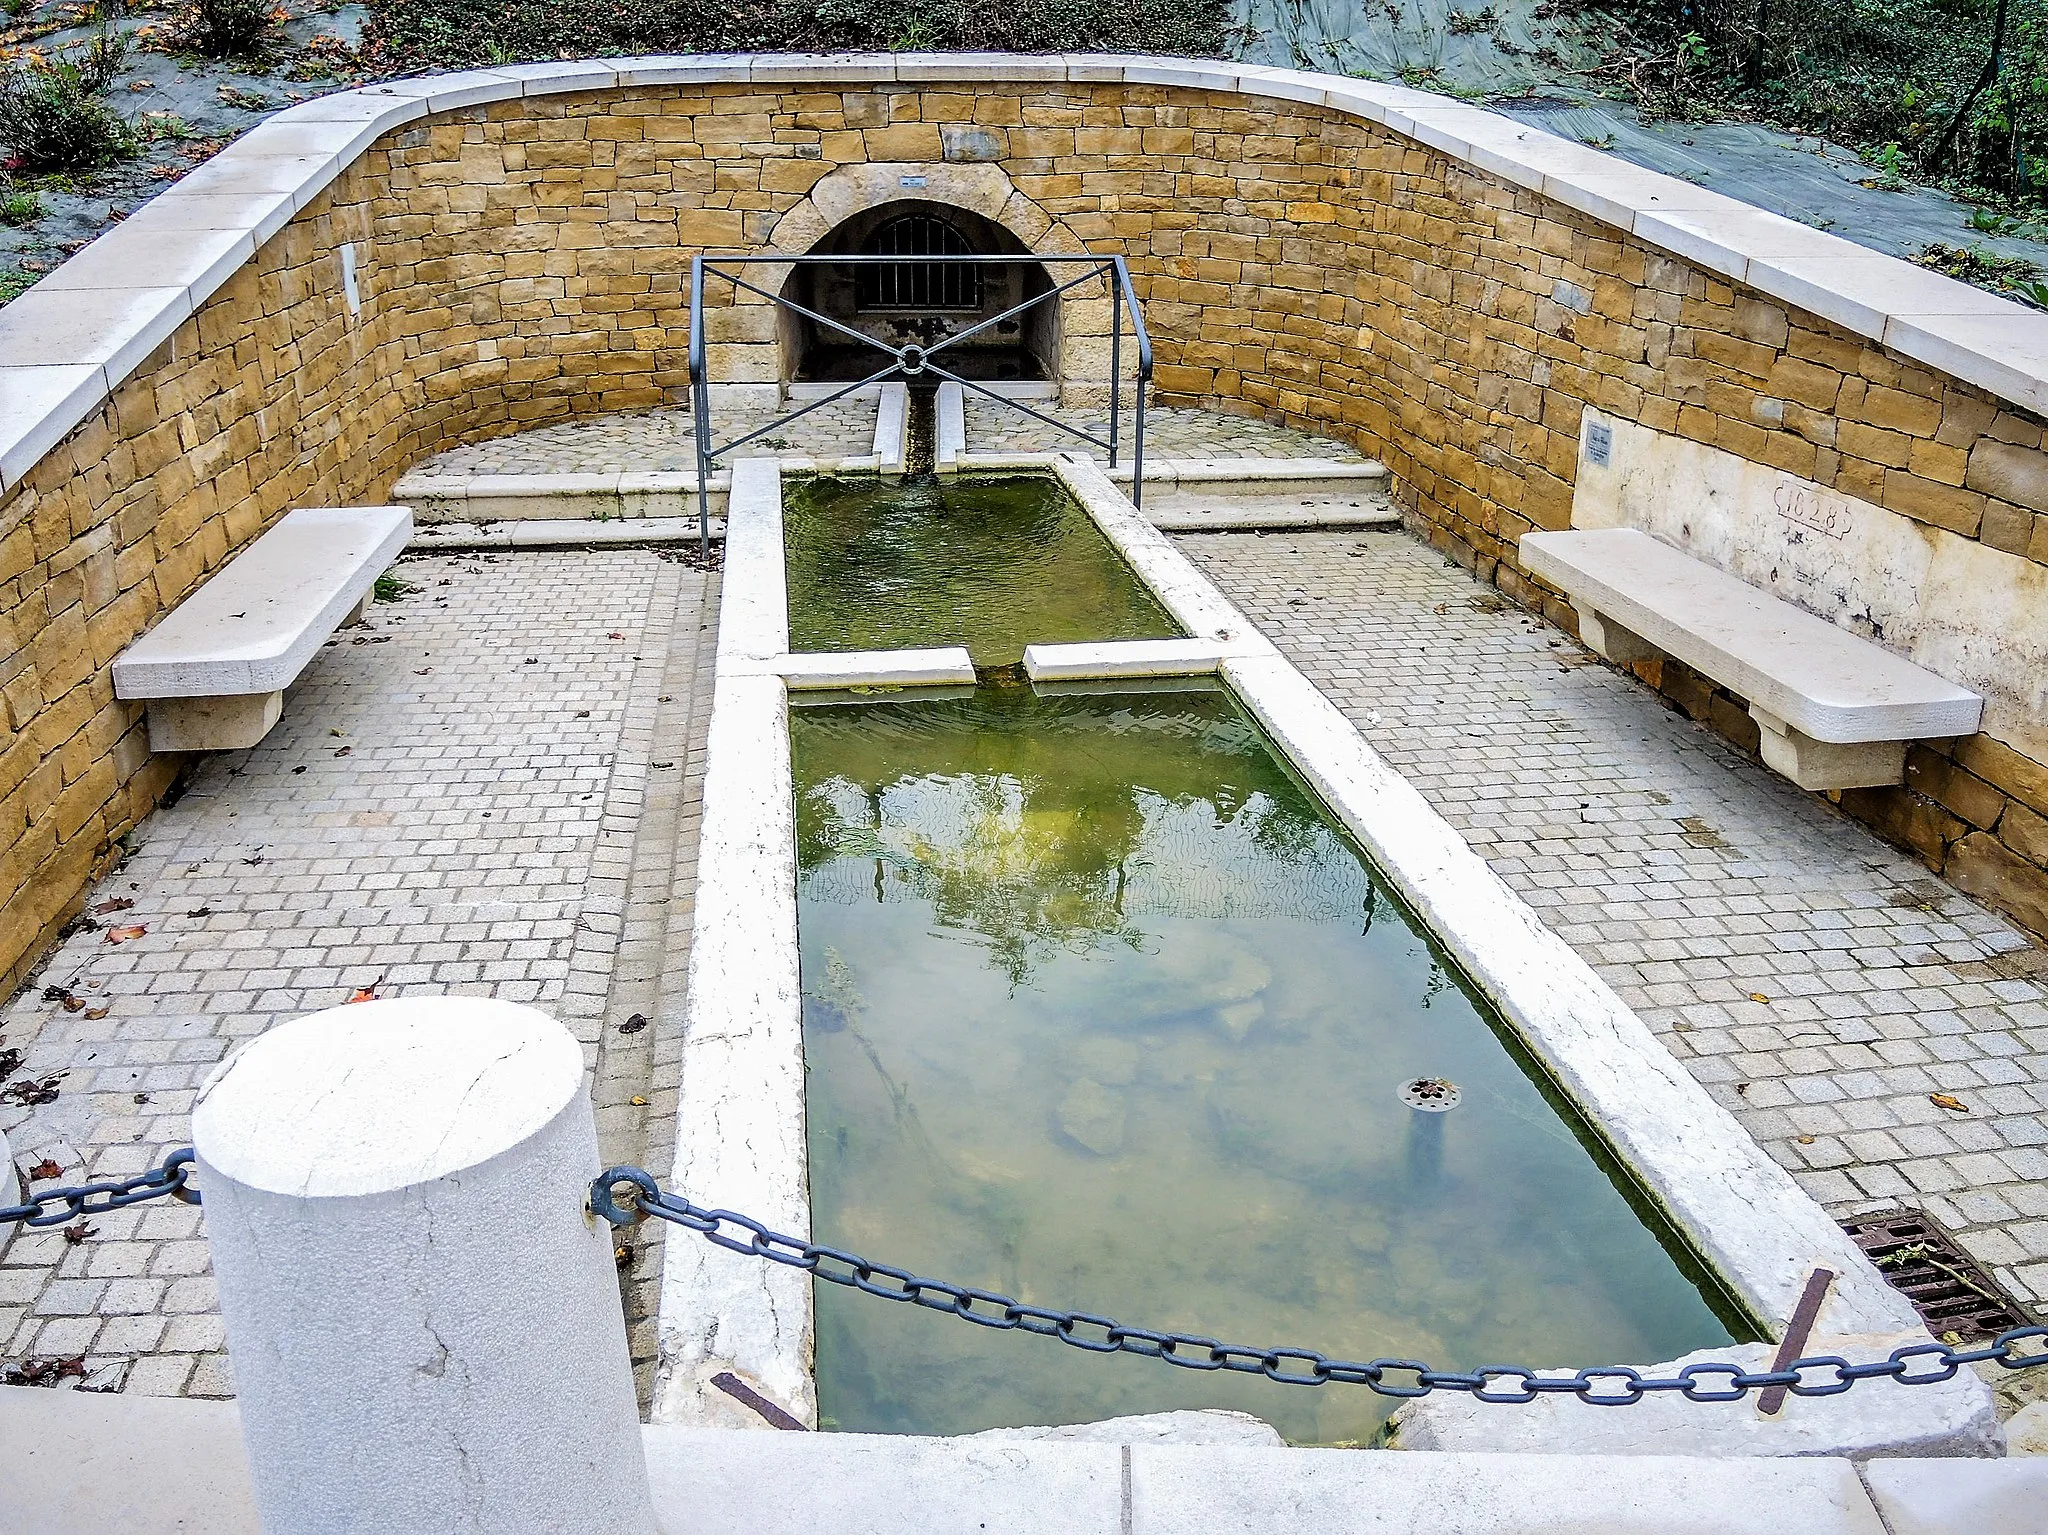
{"x":1951,"y":1293}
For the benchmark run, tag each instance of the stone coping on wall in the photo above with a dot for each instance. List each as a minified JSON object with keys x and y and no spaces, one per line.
{"x":68,"y":342}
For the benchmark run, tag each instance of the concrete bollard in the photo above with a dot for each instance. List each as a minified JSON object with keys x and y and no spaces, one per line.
{"x":424,"y":1325}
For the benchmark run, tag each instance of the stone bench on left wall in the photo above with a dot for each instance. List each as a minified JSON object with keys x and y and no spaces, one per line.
{"x":214,"y":669}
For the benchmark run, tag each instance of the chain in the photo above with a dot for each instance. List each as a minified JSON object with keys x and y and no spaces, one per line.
{"x":56,"y":1207}
{"x":1916,"y":1364}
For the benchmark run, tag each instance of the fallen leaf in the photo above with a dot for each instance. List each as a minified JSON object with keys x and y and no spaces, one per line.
{"x":615,"y":635}
{"x":634,"y":1024}
{"x":1743,"y":1088}
{"x":118,"y":903}
{"x":344,"y":751}
{"x":1757,"y":996}
{"x":1944,"y":1101}
{"x":45,"y":1372}
{"x":78,"y":1231}
{"x":202,"y":911}
{"x":637,"y":1101}
{"x":30,"y":1093}
{"x":300,"y":768}
{"x":125,"y":934}
{"x":142,"y":1097}
{"x":97,"y":1013}
{"x":46,"y":1169}
{"x":1806,"y":1140}
{"x":332,"y":731}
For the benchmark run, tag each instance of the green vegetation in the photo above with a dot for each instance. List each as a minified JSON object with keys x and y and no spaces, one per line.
{"x":53,"y":115}
{"x":14,"y":282}
{"x":1953,"y":91}
{"x":390,"y":588}
{"x":18,"y":206}
{"x":2013,"y":276}
{"x":226,"y":29}
{"x":458,"y":32}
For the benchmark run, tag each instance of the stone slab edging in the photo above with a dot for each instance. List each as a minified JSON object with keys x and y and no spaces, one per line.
{"x":570,"y":533}
{"x":71,"y":340}
{"x":741,"y":1115}
{"x":76,"y":1460}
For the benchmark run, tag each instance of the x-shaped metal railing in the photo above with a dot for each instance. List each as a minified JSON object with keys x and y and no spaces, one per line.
{"x":915,"y":358}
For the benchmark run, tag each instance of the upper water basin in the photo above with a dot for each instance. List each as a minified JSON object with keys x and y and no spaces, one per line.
{"x":994,"y":563}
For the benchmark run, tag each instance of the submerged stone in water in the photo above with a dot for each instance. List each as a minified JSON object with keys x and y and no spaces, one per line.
{"x":1110,"y":1061}
{"x":1092,"y":1117}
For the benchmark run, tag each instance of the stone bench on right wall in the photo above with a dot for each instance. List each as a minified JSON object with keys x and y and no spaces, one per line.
{"x":1835,"y":710}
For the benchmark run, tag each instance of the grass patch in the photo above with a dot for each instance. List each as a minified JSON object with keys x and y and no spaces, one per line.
{"x":458,"y":32}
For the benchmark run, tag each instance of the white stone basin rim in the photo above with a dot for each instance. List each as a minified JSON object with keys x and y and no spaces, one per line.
{"x":257,"y":621}
{"x":740,"y":1138}
{"x":1821,"y":679}
{"x":70,"y":341}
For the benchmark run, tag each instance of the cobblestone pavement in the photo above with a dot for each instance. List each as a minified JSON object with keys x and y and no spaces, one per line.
{"x":662,"y":441}
{"x":491,"y":789}
{"x":1169,"y":433}
{"x":1819,"y":983}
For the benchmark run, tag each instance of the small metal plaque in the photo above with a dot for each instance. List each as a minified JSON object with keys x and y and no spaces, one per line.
{"x":1599,"y":443}
{"x":913,"y":181}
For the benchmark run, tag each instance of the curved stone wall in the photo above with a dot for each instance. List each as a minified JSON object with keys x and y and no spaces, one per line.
{"x":1442,"y":287}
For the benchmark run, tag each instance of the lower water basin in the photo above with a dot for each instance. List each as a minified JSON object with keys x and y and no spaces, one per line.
{"x":1102,"y":1011}
{"x":990,"y":562}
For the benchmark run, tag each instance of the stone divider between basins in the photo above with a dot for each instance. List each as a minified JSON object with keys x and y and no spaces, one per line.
{"x":371,"y":277}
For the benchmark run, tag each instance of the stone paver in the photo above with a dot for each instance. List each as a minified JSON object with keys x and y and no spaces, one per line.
{"x":1169,"y":433}
{"x":453,"y":802}
{"x":1822,"y":985}
{"x":663,"y":441}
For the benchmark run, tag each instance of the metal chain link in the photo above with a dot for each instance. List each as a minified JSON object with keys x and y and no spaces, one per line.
{"x":56,"y":1207}
{"x":1916,"y":1364}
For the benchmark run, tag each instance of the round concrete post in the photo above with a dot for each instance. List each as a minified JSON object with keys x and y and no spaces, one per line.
{"x":424,"y":1325}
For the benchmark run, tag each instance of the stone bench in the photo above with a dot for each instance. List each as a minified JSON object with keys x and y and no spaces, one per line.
{"x":214,"y":669}
{"x":1836,"y":711}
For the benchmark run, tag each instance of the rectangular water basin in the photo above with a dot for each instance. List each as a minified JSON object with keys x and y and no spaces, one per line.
{"x":1102,"y":1010}
{"x":993,"y":563}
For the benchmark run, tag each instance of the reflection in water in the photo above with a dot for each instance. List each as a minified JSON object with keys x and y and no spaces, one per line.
{"x":989,"y":563}
{"x":1101,"y":1011}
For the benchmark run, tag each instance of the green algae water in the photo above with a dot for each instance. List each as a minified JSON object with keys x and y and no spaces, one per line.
{"x":992,"y":563}
{"x":1101,"y":1010}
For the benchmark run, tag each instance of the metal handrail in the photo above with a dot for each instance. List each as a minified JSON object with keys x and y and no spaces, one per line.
{"x":913,"y":358}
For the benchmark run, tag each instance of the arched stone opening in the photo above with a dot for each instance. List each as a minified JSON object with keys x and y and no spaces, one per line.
{"x":923,"y":302}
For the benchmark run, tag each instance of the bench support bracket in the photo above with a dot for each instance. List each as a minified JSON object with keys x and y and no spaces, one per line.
{"x":1828,"y":764}
{"x":1609,"y":640}
{"x":229,"y":723}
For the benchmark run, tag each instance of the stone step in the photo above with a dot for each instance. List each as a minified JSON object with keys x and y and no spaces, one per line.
{"x":74,"y":1461}
{"x":561,"y":533}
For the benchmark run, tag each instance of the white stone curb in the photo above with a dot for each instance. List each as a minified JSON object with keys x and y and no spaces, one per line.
{"x":892,"y":428}
{"x":552,"y":497}
{"x":574,"y":533}
{"x":950,"y":448}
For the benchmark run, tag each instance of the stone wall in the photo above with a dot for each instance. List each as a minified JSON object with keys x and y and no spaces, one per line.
{"x":527,"y":260}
